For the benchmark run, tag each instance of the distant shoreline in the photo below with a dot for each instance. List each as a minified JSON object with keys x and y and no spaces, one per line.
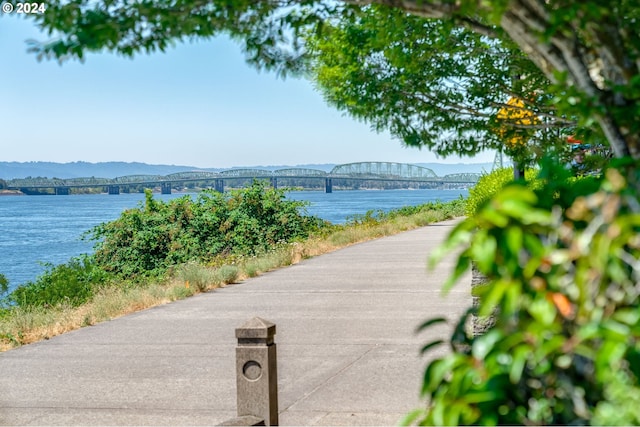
{"x":11,"y":193}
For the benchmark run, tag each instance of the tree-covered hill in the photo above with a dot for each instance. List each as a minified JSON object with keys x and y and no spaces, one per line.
{"x":11,"y":170}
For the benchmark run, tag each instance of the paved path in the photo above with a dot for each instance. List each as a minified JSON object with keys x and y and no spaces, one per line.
{"x":347,"y":351}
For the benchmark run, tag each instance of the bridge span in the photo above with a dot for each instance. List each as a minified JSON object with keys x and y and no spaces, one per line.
{"x":362,"y":172}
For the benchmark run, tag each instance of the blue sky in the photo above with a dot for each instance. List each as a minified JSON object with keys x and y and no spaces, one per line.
{"x":198,"y":104}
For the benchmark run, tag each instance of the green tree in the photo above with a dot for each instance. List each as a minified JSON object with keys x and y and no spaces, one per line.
{"x":433,"y":84}
{"x":73,"y":283}
{"x":587,"y":49}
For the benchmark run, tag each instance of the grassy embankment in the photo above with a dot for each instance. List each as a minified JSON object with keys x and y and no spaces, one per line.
{"x":24,"y":325}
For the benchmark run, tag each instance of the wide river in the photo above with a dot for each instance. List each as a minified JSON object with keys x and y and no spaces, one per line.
{"x":47,"y":229}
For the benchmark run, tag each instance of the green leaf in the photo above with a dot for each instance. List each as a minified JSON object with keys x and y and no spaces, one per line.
{"x":413,"y":416}
{"x":609,"y":356}
{"x":434,"y":374}
{"x":627,"y":316}
{"x":431,"y":322}
{"x":430,"y":345}
{"x":485,"y":344}
{"x":549,"y":345}
{"x":452,"y":415}
{"x":438,"y":369}
{"x":514,"y":237}
{"x":460,"y":235}
{"x":520,"y":356}
{"x":615,"y":330}
{"x":493,"y":296}
{"x":461,"y":268}
{"x":542,"y":311}
{"x":480,"y":396}
{"x":493,"y":216}
{"x":483,"y":251}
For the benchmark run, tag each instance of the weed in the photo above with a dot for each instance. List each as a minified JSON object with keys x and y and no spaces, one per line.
{"x":226,"y":274}
{"x":195,"y":275}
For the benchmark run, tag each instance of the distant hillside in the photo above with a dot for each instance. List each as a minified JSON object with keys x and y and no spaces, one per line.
{"x":12,"y":170}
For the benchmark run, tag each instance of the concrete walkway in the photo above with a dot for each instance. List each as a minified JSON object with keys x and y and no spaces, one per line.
{"x":347,"y":350}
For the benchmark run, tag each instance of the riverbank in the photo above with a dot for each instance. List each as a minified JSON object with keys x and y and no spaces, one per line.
{"x":19,"y":326}
{"x":11,"y":193}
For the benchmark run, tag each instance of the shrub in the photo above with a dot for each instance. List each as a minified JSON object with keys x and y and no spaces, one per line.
{"x":73,"y":283}
{"x":562,"y":264}
{"x":4,"y":284}
{"x":146,"y":241}
{"x":489,"y":184}
{"x":260,"y":217}
{"x":486,"y":187}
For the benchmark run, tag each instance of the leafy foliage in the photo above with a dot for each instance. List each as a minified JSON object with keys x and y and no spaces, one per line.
{"x":72,"y":283}
{"x":4,"y":284}
{"x":430,"y":82}
{"x":148,"y":240}
{"x":562,"y":264}
{"x":486,"y":187}
{"x":490,"y":184}
{"x":269,"y":30}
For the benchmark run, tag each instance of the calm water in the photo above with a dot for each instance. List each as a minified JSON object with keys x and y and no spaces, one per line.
{"x":47,"y":229}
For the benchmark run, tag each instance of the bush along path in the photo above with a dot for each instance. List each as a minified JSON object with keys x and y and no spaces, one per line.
{"x":562,"y":269}
{"x":163,"y":251}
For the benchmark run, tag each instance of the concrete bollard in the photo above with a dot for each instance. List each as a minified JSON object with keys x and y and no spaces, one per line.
{"x":257,"y":373}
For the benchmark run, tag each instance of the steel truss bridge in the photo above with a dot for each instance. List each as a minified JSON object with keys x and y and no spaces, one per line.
{"x":363,"y":171}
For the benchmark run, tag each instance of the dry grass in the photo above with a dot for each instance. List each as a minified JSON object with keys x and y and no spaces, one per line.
{"x":28,"y":325}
